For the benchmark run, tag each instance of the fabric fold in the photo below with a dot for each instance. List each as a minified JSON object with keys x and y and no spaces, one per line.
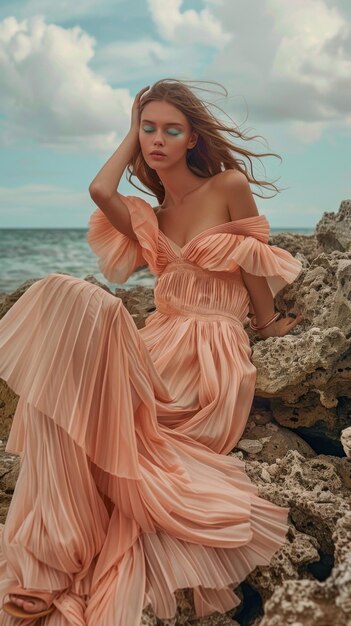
{"x":78,"y":365}
{"x":277,"y":265}
{"x":118,"y":255}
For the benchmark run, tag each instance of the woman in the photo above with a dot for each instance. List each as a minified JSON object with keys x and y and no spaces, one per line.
{"x":126,"y":492}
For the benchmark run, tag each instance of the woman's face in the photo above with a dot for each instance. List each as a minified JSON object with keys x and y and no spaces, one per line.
{"x":164,"y":130}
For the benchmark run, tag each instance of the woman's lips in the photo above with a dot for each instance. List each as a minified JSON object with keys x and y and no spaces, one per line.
{"x":157,"y":156}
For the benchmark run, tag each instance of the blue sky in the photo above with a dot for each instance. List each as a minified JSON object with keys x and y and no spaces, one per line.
{"x":69,"y":72}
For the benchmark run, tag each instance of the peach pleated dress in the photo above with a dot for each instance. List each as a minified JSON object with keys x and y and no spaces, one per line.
{"x":126,"y":491}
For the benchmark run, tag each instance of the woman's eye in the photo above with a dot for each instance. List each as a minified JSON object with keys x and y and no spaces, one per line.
{"x":171,"y":131}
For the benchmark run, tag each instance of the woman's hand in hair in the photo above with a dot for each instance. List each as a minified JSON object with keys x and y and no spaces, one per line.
{"x":135,"y":121}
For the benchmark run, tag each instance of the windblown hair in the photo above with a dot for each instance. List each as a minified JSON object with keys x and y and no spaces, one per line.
{"x":213,"y":152}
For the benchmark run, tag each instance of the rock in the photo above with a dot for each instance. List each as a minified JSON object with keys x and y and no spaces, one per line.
{"x":216,"y":619}
{"x":343,"y":467}
{"x":333,"y":231}
{"x":139,"y":301}
{"x":346,"y":440}
{"x":321,"y":426}
{"x":9,"y":470}
{"x":5,"y":501}
{"x":148,"y":617}
{"x":324,"y":292}
{"x":9,"y":299}
{"x":271,"y":441}
{"x":304,"y":247}
{"x":312,"y":603}
{"x":318,"y":543}
{"x":289,"y":366}
{"x":8,"y":403}
{"x":262,"y":418}
{"x":303,"y":603}
{"x":250,"y":446}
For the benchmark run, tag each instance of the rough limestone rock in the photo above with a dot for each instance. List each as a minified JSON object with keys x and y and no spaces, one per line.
{"x":285,"y":364}
{"x":8,"y":299}
{"x":269,"y":441}
{"x":302,"y":246}
{"x":8,"y":403}
{"x":333,"y":231}
{"x":319,"y":499}
{"x":251,"y":446}
{"x":346,"y":440}
{"x":139,"y":301}
{"x":314,"y":603}
{"x":322,"y":293}
{"x":310,"y":417}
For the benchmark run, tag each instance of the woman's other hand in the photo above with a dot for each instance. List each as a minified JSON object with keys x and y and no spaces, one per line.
{"x":280,"y":327}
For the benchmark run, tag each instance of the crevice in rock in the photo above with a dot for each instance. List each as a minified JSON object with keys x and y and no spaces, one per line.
{"x":313,"y":526}
{"x":261,"y":403}
{"x":316,"y":424}
{"x":319,"y":443}
{"x":251,"y":606}
{"x":322,"y":569}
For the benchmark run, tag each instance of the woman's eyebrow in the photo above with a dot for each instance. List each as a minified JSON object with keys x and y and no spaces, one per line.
{"x":165,"y":124}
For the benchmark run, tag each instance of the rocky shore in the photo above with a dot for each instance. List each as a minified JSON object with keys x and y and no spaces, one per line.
{"x":297,"y":443}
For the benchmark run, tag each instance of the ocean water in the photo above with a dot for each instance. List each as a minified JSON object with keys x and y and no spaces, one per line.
{"x":27,"y":253}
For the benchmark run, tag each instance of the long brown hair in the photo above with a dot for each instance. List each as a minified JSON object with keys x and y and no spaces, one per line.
{"x":213,"y":152}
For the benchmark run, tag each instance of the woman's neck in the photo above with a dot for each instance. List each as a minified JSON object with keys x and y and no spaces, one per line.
{"x":178,"y":182}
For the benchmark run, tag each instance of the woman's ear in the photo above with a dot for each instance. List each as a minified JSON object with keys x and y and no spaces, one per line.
{"x":193,"y":140}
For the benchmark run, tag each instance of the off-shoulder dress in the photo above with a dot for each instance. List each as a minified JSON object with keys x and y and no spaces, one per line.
{"x":126,"y":491}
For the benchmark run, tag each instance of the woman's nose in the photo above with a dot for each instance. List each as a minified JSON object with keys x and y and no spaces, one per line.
{"x":158,"y":137}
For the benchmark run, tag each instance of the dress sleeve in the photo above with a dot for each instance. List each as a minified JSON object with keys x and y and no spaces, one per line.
{"x":253,"y":253}
{"x":118,"y":255}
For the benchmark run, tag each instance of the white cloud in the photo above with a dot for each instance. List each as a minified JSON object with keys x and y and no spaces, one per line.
{"x":58,"y":11}
{"x":145,"y":61}
{"x":307,"y":132}
{"x":49,"y":93}
{"x":315,"y":43}
{"x":287,"y":61}
{"x":187,"y":27}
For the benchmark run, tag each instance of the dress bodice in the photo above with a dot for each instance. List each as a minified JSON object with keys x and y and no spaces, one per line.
{"x":203,"y":275}
{"x":186,"y":288}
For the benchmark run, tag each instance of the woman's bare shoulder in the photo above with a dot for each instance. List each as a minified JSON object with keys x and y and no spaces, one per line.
{"x":229,"y":177}
{"x":238,"y":195}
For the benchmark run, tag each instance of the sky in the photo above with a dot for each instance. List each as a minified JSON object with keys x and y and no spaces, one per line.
{"x":69,"y":72}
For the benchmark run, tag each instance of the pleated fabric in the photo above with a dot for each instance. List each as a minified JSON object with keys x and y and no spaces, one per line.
{"x":125,"y":491}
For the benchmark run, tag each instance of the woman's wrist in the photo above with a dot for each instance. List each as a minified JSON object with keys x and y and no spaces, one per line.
{"x":263,"y":324}
{"x":133,"y":133}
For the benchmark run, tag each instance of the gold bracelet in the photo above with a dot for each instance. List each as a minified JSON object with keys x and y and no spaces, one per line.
{"x":254,"y":327}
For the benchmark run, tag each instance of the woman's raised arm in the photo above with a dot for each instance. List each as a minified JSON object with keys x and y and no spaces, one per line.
{"x":103,"y":188}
